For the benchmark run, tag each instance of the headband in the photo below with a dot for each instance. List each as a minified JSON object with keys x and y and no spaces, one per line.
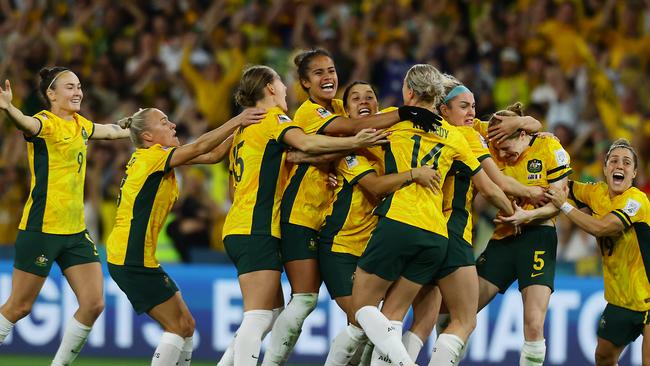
{"x":57,"y":75}
{"x":455,"y":91}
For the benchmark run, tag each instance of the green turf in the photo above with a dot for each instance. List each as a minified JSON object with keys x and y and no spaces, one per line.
{"x":12,"y":360}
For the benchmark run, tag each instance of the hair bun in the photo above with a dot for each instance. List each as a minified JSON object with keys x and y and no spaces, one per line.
{"x":44,"y":72}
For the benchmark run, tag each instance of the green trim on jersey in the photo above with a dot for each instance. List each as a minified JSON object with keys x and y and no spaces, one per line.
{"x":39,"y":193}
{"x":335,"y":221}
{"x":390,"y":167}
{"x":268,"y":180}
{"x":290,"y":193}
{"x":142,"y":207}
{"x":459,"y":215}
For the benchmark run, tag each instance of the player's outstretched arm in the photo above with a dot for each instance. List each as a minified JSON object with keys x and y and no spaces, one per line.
{"x":29,"y":125}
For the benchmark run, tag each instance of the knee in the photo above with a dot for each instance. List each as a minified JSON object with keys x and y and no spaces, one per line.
{"x":93,"y":308}
{"x":604,"y":357}
{"x":187,"y":327}
{"x":534,"y":327}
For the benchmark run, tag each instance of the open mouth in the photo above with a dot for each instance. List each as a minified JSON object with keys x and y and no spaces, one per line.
{"x":364,"y":111}
{"x":327,"y":86}
{"x":618,"y":177}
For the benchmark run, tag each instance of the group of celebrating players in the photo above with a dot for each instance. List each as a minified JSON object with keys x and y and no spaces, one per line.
{"x":375,"y":204}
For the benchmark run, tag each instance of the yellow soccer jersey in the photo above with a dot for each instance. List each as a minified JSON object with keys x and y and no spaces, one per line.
{"x":544,"y":162}
{"x":147,"y":193}
{"x":259,"y":172}
{"x":57,"y":163}
{"x":351,"y":220}
{"x":626,"y":255}
{"x":307,"y":197}
{"x":457,"y":191}
{"x":411,"y":147}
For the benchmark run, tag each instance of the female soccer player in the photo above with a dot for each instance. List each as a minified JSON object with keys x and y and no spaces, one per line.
{"x":410,"y":240}
{"x":457,"y":108}
{"x":147,"y":193}
{"x":349,"y":222}
{"x":530,"y":256}
{"x":53,"y":228}
{"x":252,"y":227}
{"x":307,"y":197}
{"x":620,"y":221}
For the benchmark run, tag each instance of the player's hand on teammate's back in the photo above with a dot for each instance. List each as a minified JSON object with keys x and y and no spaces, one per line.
{"x":370,"y":137}
{"x":251,"y":116}
{"x":426,"y":176}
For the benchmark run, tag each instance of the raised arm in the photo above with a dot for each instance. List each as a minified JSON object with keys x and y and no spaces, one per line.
{"x":604,"y":226}
{"x":297,"y":156}
{"x":210,"y":140}
{"x":341,"y":126}
{"x":29,"y":125}
{"x":216,"y":155}
{"x":319,"y":144}
{"x":511,"y":124}
{"x":109,"y":132}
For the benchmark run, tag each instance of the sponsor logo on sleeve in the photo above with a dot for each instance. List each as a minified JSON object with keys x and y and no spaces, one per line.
{"x":283,"y":118}
{"x":561,"y":157}
{"x":322,"y":112}
{"x":351,"y":161}
{"x":631,"y":207}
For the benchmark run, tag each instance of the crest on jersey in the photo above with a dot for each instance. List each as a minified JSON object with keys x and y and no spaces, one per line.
{"x":351,"y":161}
{"x":84,"y":133}
{"x":561,"y":157}
{"x":631,"y":207}
{"x":323,"y":112}
{"x":534,"y":166}
{"x":283,"y":118}
{"x":41,"y":260}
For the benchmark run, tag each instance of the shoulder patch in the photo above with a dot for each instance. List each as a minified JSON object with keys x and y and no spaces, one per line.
{"x":323,"y":112}
{"x":283,"y":118}
{"x":351,"y":161}
{"x":43,"y":115}
{"x":561,"y":157}
{"x":631,"y":207}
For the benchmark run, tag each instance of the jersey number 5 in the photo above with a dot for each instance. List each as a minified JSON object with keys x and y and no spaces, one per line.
{"x":434,"y":154}
{"x":238,"y":162}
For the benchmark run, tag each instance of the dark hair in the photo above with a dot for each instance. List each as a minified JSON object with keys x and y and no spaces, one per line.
{"x":303,"y":59}
{"x":346,"y":93}
{"x":516,"y":109}
{"x":623,"y":144}
{"x":48,"y":81}
{"x":252,"y":84}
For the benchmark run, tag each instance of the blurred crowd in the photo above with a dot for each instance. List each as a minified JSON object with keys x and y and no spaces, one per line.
{"x":582,"y":67}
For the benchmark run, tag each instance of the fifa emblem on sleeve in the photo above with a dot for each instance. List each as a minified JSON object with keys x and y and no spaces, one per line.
{"x":323,"y":112}
{"x":41,"y":260}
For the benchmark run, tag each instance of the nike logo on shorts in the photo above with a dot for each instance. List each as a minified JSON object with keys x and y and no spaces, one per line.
{"x":533,"y":275}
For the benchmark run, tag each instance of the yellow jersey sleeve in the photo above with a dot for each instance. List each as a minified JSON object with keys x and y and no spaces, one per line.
{"x":481,"y":127}
{"x":48,"y":124}
{"x":282,"y":124}
{"x":630,"y":207}
{"x":476,"y":142}
{"x":559,"y":162}
{"x":314,"y":118}
{"x":581,"y":194}
{"x":354,"y":167}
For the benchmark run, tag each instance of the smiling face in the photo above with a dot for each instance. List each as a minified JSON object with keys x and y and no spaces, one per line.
{"x":322,"y":81}
{"x":65,"y":94}
{"x":160,"y":130}
{"x":361,"y":101}
{"x":460,"y":111}
{"x":511,"y":149}
{"x":619,"y":170}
